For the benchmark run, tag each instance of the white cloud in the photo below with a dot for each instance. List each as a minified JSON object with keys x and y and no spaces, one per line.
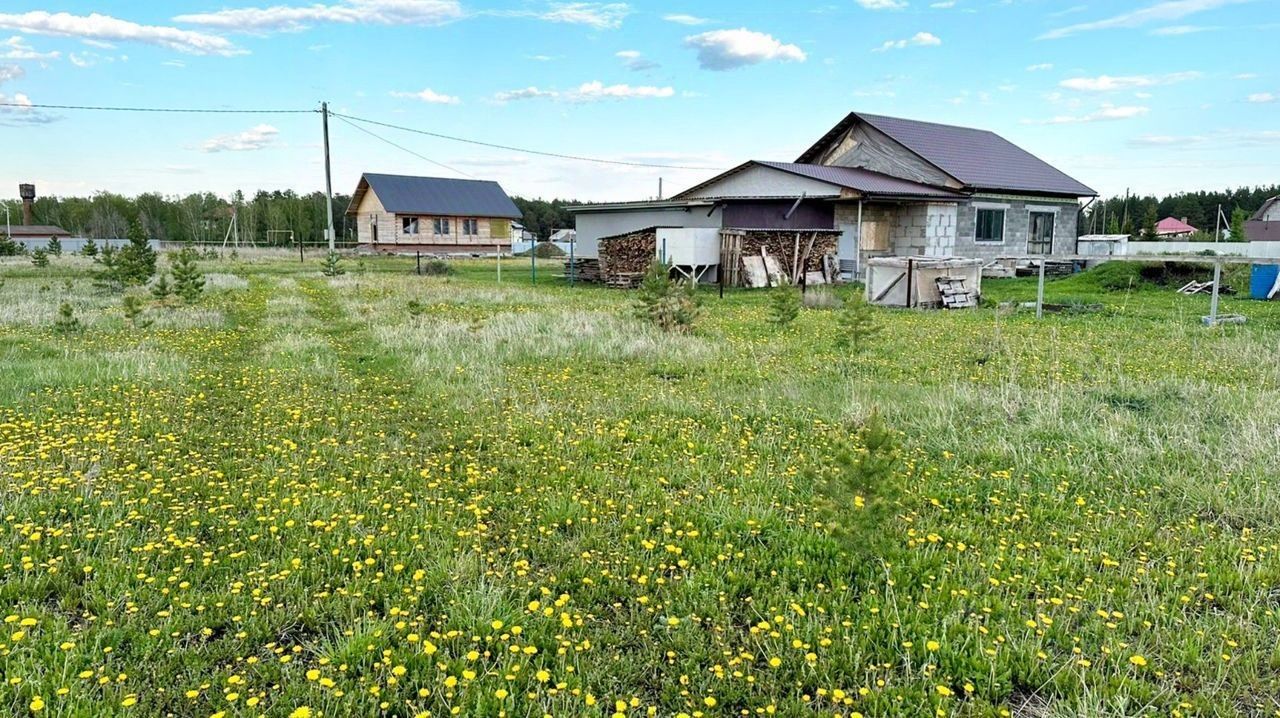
{"x":1109,"y":83}
{"x":1040,"y":67}
{"x":18,"y":110}
{"x":945,"y":5}
{"x":106,"y":28}
{"x":1104,"y":113}
{"x":882,"y":4}
{"x":15,"y":48}
{"x":920,"y":39}
{"x":1218,"y":139}
{"x":730,"y":49}
{"x":1166,"y":11}
{"x":1263,"y":97}
{"x":1175,"y":30}
{"x":1245,"y":76}
{"x":589,"y":92}
{"x":602,"y":16}
{"x":635,"y":60}
{"x":255,"y":138}
{"x":11,"y":72}
{"x":683,"y":19}
{"x":429,"y":96}
{"x":290,"y":18}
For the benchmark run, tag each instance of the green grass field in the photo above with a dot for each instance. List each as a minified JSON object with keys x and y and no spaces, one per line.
{"x":297,"y":497}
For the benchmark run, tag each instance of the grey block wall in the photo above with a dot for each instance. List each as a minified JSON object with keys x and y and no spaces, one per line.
{"x":1017,"y":219}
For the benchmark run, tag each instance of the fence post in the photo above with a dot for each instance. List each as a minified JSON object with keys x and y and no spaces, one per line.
{"x":418,"y":254}
{"x":1040,"y":293}
{"x":533,"y":262}
{"x":498,"y":250}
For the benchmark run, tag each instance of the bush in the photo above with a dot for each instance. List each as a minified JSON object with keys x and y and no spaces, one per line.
{"x":672,"y":306}
{"x":784,"y":306}
{"x":437,"y":268}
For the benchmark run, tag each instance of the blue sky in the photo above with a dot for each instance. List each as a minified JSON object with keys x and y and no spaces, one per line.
{"x":1155,"y":96}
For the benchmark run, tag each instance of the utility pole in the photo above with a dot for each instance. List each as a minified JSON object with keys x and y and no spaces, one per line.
{"x":1217,"y":224}
{"x":328,"y":178}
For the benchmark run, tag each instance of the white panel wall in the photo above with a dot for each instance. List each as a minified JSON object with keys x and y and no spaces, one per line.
{"x":592,"y":226}
{"x":760,"y":181}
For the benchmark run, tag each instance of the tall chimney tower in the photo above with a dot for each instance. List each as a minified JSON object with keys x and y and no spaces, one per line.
{"x":28,"y":194}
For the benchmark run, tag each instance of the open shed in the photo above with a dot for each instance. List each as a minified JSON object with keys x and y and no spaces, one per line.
{"x":948,"y":282}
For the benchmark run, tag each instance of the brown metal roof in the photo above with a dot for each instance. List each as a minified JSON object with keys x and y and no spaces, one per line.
{"x":865,"y":182}
{"x":37,"y":230}
{"x":980,"y":159}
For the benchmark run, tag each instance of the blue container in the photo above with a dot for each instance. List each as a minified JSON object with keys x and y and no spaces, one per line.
{"x":1263,"y":279}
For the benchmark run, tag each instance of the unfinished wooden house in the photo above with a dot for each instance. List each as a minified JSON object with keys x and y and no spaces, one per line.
{"x":432,"y":214}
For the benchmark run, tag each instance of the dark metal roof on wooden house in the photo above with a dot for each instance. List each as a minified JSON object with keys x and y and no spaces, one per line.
{"x":1261,"y":229}
{"x":35,"y":230}
{"x":979,"y":159}
{"x":440,"y":196}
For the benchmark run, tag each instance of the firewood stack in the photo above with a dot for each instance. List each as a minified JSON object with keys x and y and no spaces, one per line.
{"x":783,"y":245}
{"x":583,"y":269}
{"x":624,"y":259}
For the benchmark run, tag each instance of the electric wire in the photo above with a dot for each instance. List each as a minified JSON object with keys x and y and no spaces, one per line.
{"x":401,"y":147}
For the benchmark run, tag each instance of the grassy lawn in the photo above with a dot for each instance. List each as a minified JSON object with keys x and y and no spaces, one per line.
{"x":306,"y":496}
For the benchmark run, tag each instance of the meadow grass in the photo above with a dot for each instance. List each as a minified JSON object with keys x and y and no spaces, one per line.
{"x":306,"y":496}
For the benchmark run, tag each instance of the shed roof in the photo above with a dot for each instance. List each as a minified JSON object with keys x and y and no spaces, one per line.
{"x":978,"y":158}
{"x":37,"y":230}
{"x":400,"y":194}
{"x":864,"y":182}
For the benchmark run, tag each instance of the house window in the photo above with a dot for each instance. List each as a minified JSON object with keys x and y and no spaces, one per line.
{"x":440,"y":226}
{"x":409,"y":225}
{"x":471,"y":227}
{"x":1040,"y":233}
{"x":989,"y":226}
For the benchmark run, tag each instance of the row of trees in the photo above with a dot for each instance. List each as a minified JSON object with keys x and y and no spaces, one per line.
{"x":1137,"y":216}
{"x":203,"y":217}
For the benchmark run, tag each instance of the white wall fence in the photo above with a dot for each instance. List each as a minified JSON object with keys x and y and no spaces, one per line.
{"x":1121,"y":246}
{"x":521,"y":246}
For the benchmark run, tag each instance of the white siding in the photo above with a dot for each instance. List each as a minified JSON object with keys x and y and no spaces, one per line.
{"x":594,"y":225}
{"x":760,"y":181}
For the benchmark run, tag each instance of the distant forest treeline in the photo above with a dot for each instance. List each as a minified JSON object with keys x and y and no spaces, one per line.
{"x":204,"y":217}
{"x":264,"y":218}
{"x":1136,"y":216}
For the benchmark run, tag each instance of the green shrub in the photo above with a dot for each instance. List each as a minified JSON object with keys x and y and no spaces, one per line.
{"x":784,"y":306}
{"x":135,"y":309}
{"x":67,"y":323}
{"x":437,"y":268}
{"x":10,"y":248}
{"x":672,"y":306}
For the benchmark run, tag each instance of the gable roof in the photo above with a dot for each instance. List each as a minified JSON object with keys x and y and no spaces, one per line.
{"x":864,"y":182}
{"x":1262,"y":211}
{"x":36,"y":230}
{"x":400,"y":194}
{"x":980,"y":159}
{"x":1169,"y":225}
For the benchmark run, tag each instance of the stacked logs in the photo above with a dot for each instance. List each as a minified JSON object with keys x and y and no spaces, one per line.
{"x":625,"y":258}
{"x":583,"y":269}
{"x":790,"y":247}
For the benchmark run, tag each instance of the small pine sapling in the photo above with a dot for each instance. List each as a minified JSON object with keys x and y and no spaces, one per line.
{"x":90,"y":249}
{"x":784,"y":306}
{"x":54,"y":248}
{"x":331,"y":266}
{"x":40,"y":258}
{"x":858,"y":326}
{"x":136,"y":262}
{"x":672,"y":306}
{"x":135,"y":309}
{"x":162,"y":290}
{"x":67,"y":323}
{"x":188,"y":282}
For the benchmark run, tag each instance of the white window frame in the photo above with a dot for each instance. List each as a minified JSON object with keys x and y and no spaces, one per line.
{"x":471,"y":227}
{"x":415,"y":225}
{"x":1003,"y":209}
{"x":440,"y":227}
{"x":1053,"y":233}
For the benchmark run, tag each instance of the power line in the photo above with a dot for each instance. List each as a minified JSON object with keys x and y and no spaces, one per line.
{"x":578,"y":158}
{"x":185,"y":110}
{"x":400,"y":147}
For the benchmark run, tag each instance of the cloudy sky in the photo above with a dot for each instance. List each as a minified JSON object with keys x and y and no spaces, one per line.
{"x":1155,"y":96}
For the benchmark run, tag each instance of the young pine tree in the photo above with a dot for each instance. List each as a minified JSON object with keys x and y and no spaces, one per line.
{"x":330,"y":267}
{"x":54,"y":248}
{"x":672,"y":306}
{"x":136,"y":262}
{"x":40,"y":258}
{"x":67,"y":323}
{"x":858,"y":326}
{"x":108,"y":277}
{"x":135,"y":309}
{"x":784,"y":306}
{"x":90,"y":249}
{"x":162,"y":290}
{"x":188,"y":282}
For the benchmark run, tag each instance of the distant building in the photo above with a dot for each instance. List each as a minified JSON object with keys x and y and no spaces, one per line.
{"x":1264,"y":225}
{"x":432,"y":214}
{"x":1170,"y":228}
{"x":37,"y":233}
{"x":564,"y":235}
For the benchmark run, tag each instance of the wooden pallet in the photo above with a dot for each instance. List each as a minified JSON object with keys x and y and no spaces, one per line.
{"x":955,"y":293}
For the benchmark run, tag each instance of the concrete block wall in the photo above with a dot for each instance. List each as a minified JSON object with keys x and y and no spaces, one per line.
{"x":1017,"y":220}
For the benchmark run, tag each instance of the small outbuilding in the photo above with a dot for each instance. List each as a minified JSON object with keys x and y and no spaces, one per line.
{"x":1171,"y":228}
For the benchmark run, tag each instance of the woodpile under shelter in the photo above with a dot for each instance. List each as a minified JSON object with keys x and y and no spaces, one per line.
{"x":396,"y":213}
